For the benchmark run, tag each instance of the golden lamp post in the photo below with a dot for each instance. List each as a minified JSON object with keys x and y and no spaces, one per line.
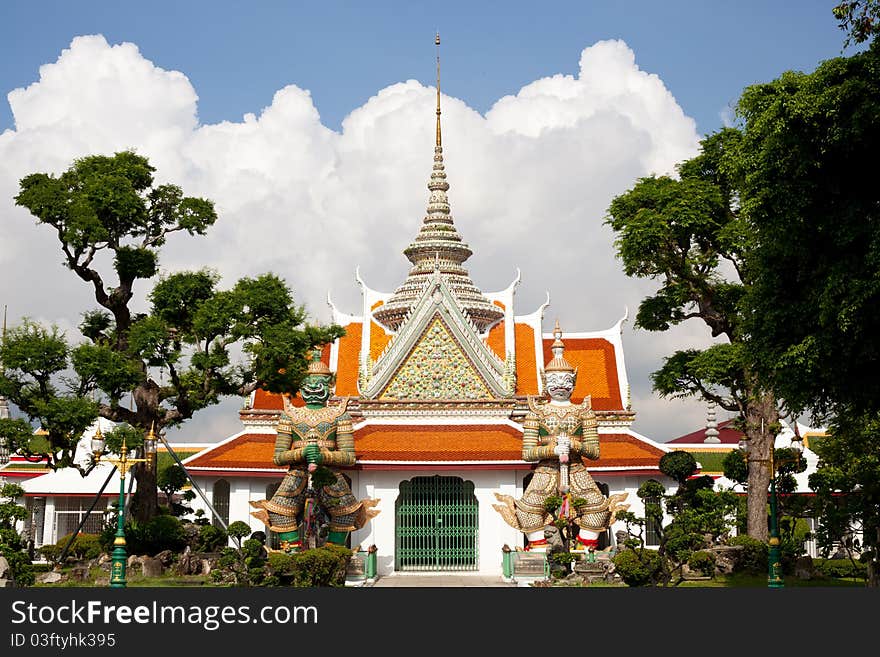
{"x":123,"y":463}
{"x":774,"y":552}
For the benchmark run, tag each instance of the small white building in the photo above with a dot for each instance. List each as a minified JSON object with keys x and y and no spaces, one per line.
{"x":57,"y":501}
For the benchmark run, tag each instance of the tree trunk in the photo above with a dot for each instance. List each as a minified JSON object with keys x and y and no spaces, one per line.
{"x":146,"y":399}
{"x":761,"y":407}
{"x":147,"y":495}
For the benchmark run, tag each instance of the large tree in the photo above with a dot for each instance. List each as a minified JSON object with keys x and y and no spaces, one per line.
{"x":147,"y":370}
{"x":688,"y":233}
{"x":812,"y":199}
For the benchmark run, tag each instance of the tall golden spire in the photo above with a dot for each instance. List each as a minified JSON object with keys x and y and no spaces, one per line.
{"x":437,"y":43}
{"x":438,"y":247}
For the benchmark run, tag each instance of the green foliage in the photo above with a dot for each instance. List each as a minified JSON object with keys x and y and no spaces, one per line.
{"x":323,"y":566}
{"x":244,"y":566}
{"x":814,"y":207}
{"x":699,"y":515}
{"x":210,"y":539}
{"x":841,"y":568}
{"x":678,"y":465}
{"x":753,"y":557}
{"x":702,"y":562}
{"x":690,"y":235}
{"x":238,"y":530}
{"x":163,"y":532}
{"x":133,"y":437}
{"x":860,"y":19}
{"x":847,"y":487}
{"x":173,"y":360}
{"x":84,"y":546}
{"x":34,"y":359}
{"x":51,"y":552}
{"x":171,"y":479}
{"x":12,"y":547}
{"x":735,"y":466}
{"x":639,"y":567}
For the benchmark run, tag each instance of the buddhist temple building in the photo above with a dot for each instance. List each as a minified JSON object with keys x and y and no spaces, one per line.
{"x":437,"y":375}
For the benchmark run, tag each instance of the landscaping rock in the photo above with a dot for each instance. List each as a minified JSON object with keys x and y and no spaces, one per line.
{"x":152,"y":567}
{"x":726,"y":557}
{"x":4,"y":568}
{"x":804,"y":569}
{"x":79,"y":573}
{"x":188,"y":564}
{"x":50,"y":578}
{"x":166,"y":557}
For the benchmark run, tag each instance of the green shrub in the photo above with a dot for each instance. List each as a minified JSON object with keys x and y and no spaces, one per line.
{"x":210,"y":539}
{"x":702,"y":562}
{"x":238,"y":530}
{"x":161,"y":533}
{"x":323,"y":566}
{"x":85,"y":546}
{"x":51,"y":552}
{"x":753,"y":557}
{"x":841,"y":568}
{"x":640,"y":567}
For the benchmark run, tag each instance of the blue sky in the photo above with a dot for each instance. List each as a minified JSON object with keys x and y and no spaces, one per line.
{"x":238,"y":54}
{"x":549,"y":114}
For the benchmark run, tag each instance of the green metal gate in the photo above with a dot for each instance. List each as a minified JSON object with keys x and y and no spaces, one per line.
{"x":436,"y":524}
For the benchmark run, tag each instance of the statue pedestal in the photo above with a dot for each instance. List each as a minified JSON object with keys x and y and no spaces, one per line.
{"x":361,"y":568}
{"x":528,"y":567}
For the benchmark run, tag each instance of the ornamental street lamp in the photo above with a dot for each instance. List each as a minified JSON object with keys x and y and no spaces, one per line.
{"x":774,"y":552}
{"x":123,"y":463}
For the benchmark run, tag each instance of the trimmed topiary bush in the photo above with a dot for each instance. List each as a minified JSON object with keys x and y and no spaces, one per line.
{"x":323,"y":566}
{"x":638,"y":567}
{"x":210,"y":539}
{"x":85,"y":546}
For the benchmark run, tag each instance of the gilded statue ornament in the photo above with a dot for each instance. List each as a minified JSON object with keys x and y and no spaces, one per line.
{"x":311,"y":440}
{"x":557,"y":435}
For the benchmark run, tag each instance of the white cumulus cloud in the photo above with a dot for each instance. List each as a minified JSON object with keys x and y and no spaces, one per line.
{"x":530,"y":183}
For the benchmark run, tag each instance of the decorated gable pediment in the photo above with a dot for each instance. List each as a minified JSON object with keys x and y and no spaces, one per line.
{"x":438,"y":354}
{"x":436,"y":368}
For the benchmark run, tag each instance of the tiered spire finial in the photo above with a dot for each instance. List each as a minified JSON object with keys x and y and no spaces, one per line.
{"x":438,"y":247}
{"x":558,"y":363}
{"x":437,"y":43}
{"x":711,"y":425}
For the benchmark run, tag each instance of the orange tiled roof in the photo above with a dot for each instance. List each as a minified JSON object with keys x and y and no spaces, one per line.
{"x":438,"y":443}
{"x":526,"y":368}
{"x":379,"y":339}
{"x":347,"y":361}
{"x":250,"y":450}
{"x":496,"y":340}
{"x":623,"y":450}
{"x":597,"y":371}
{"x":477,"y":442}
{"x":384,"y":443}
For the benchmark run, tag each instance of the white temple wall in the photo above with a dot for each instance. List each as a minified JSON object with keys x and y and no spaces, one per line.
{"x":493,"y":531}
